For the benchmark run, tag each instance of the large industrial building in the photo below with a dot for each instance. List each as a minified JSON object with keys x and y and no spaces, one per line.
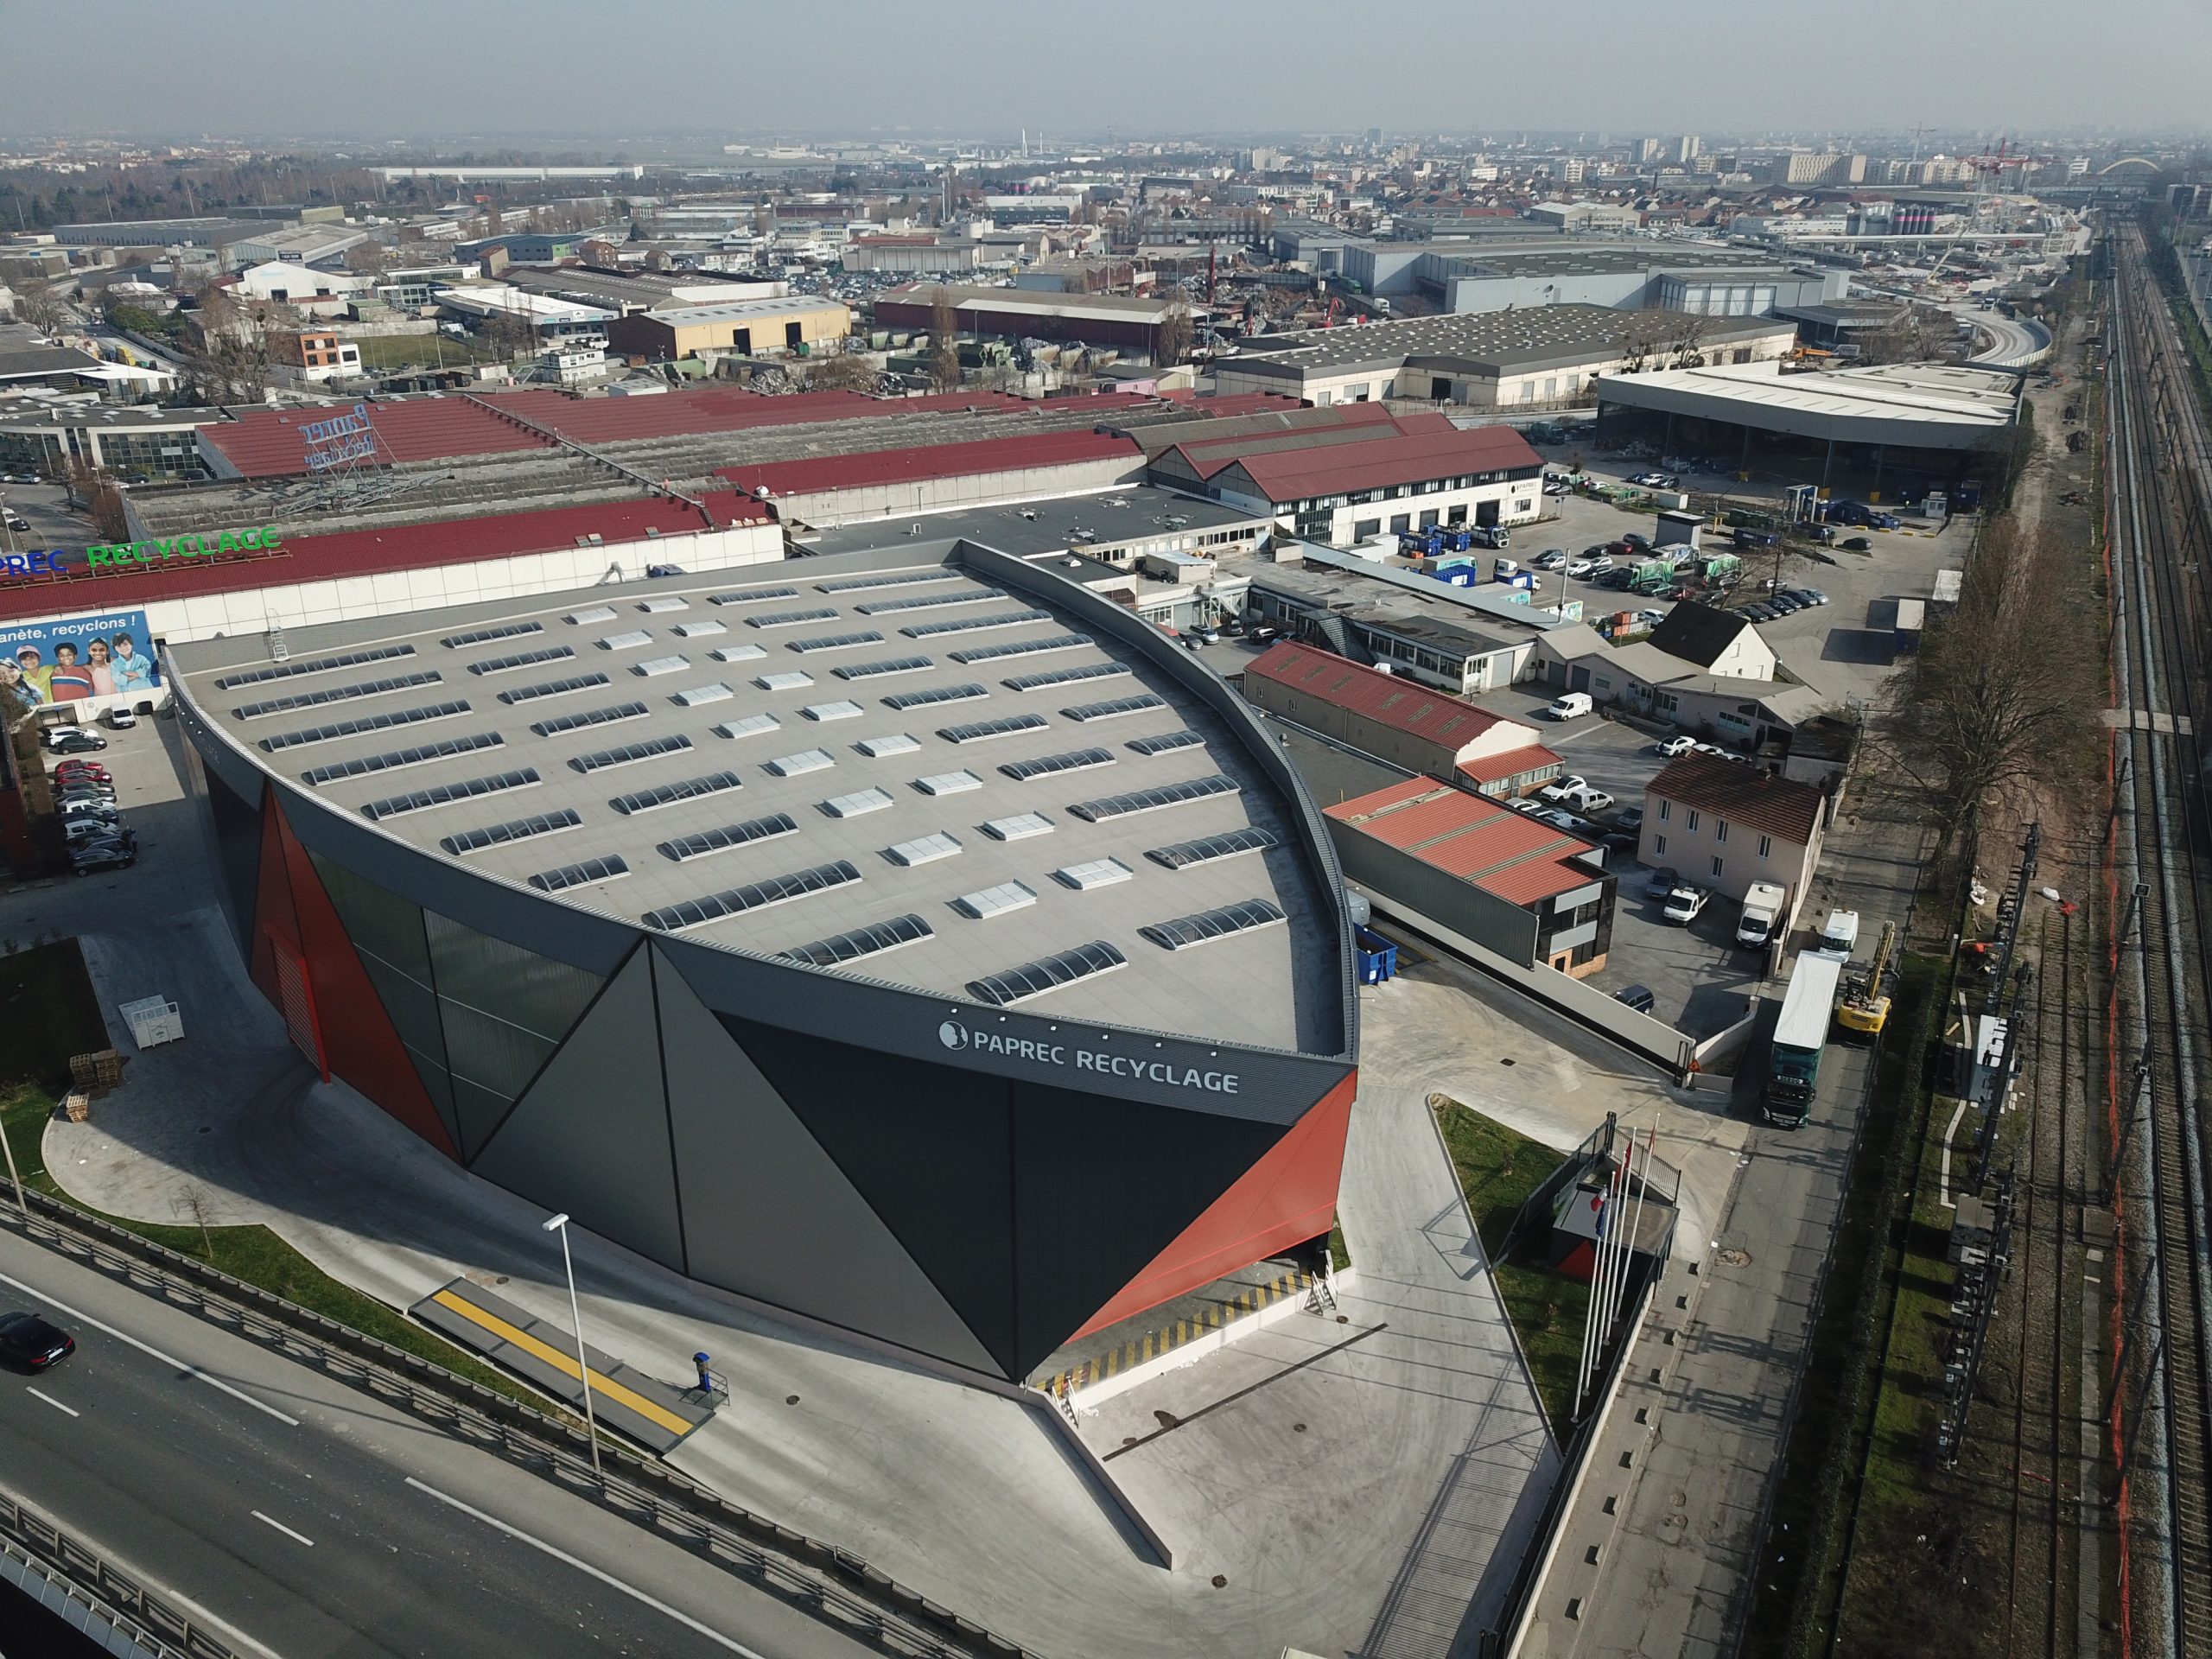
{"x":1888,"y":428}
{"x":1673,"y":275}
{"x":917,"y":945}
{"x":1541,"y":357}
{"x":1122,"y":323}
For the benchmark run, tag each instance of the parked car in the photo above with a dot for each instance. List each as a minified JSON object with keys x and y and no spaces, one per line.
{"x":1638,"y":997}
{"x":82,"y":807}
{"x":1572,"y":705}
{"x":30,"y":1342}
{"x":1858,"y":544}
{"x":1661,"y":883}
{"x":1683,"y":905}
{"x":1592,"y":800}
{"x":1552,"y":558}
{"x":70,"y":739}
{"x":1631,"y":817}
{"x":72,"y":772}
{"x":1671,"y":747}
{"x":1657,"y":481}
{"x":82,"y":827}
{"x":1619,"y":579}
{"x":1559,"y":818}
{"x":95,"y":856}
{"x":1649,"y":619}
{"x":1565,"y":790}
{"x":1782,"y":605}
{"x":1635,"y":540}
{"x":1586,"y":567}
{"x":120,"y":719}
{"x":1812,"y":596}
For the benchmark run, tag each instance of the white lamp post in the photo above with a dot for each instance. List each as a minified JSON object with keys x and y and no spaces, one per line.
{"x":560,"y":1224}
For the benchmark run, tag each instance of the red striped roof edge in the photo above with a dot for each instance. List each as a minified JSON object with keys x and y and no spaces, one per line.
{"x":823,"y":472}
{"x":1291,"y":474}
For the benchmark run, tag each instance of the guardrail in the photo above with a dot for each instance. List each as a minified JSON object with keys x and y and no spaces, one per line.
{"x":830,"y":1582}
{"x":80,"y":1587}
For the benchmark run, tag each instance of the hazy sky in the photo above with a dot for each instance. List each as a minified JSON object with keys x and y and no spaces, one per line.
{"x":408,"y":68}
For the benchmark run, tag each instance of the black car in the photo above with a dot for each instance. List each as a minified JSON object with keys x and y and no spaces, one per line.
{"x":106,"y":852}
{"x":70,"y":739}
{"x":1858,"y":544}
{"x":29,"y":1341}
{"x":1638,"y":997}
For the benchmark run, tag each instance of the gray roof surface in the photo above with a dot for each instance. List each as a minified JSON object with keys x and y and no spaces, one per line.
{"x":31,"y":361}
{"x":1030,"y":530}
{"x":1528,"y":338}
{"x":1276,"y":987}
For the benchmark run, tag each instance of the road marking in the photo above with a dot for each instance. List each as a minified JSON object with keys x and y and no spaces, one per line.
{"x":602,"y":1386}
{"x":148,"y":1348}
{"x":584,"y":1567}
{"x":299,"y":1536}
{"x":56,"y":1403}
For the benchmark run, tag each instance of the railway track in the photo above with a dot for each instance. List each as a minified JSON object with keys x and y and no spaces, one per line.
{"x":2044,"y":1461}
{"x":2164,"y":970}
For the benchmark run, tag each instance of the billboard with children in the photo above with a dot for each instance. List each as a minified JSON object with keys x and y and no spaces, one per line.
{"x":108,"y":656}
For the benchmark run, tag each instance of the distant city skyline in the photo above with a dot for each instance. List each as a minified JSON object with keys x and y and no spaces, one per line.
{"x":865,"y":67}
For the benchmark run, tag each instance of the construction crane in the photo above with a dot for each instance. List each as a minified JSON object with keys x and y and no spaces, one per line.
{"x":1865,"y":1005}
{"x":1988,"y":167}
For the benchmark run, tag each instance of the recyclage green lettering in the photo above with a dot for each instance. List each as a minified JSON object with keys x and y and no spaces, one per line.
{"x":114,"y":556}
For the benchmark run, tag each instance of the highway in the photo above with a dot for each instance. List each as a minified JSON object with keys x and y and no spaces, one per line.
{"x":300,"y":1517}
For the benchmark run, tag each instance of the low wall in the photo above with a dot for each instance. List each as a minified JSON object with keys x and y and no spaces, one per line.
{"x":1649,"y":1039}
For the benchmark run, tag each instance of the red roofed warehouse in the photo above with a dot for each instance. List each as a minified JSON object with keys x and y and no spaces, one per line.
{"x":831,"y":490}
{"x":1348,"y":484}
{"x":1399,"y":720}
{"x":1451,"y":863}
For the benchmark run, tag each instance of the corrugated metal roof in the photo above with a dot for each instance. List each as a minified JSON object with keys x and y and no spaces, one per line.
{"x":1401,"y":704}
{"x":1513,"y":763}
{"x":825,"y":472}
{"x":266,"y":443}
{"x":1506,"y":854}
{"x":1377,"y":464}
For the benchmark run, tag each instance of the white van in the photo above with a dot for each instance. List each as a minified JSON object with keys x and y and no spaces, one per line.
{"x":1839,"y":937}
{"x":1572,"y":706}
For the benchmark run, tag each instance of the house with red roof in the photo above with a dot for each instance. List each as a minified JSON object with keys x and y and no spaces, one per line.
{"x":1360,"y":482}
{"x":1399,"y":721}
{"x":1451,"y":863}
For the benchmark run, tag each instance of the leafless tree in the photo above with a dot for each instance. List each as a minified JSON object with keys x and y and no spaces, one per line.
{"x":1914,"y":334}
{"x":1173,"y":338}
{"x":1686,"y":340}
{"x":1642,"y":335}
{"x":1993,"y":700}
{"x":230,"y":362}
{"x":944,"y":344}
{"x":192,"y":1205}
{"x":37,"y":304}
{"x":368,"y":259}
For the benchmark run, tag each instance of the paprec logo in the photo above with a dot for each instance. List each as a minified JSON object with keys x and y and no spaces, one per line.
{"x":952,"y":1036}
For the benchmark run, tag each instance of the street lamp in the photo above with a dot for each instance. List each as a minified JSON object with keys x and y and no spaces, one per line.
{"x":560,"y":1224}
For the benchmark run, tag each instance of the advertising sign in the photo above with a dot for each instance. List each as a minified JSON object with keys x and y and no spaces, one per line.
{"x":117,"y":558}
{"x":76,"y":658}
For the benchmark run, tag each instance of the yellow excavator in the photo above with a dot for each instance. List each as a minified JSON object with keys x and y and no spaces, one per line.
{"x":1865,"y":1005}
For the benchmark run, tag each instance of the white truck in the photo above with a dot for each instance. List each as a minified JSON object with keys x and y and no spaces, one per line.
{"x":1763,"y":907}
{"x":1840,"y":936}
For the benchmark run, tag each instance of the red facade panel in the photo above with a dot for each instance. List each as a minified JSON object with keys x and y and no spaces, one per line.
{"x":1287,"y":1198}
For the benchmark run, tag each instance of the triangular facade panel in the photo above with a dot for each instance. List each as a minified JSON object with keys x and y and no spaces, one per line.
{"x":591,"y":1135}
{"x":767,"y":1214}
{"x":931,"y":1149}
{"x":359,"y":1044}
{"x":1287,"y":1197}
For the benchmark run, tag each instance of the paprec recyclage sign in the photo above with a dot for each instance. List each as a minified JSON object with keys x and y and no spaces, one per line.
{"x":954,"y":1035}
{"x":120,"y":559}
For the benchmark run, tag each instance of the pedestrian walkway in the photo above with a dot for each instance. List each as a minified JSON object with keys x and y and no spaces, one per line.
{"x":625,"y":1400}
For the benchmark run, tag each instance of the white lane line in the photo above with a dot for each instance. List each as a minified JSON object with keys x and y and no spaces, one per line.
{"x":299,"y":1537}
{"x":607,"y":1579}
{"x":83,"y":1317}
{"x":56,"y":1403}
